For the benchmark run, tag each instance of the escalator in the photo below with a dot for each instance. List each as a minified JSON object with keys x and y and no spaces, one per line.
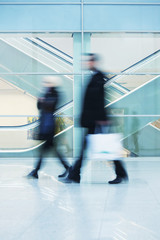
{"x":43,"y":52}
{"x":38,"y":55}
{"x":66,"y":59}
{"x":19,"y":121}
{"x":22,"y":58}
{"x":139,"y":102}
{"x":121,"y":85}
{"x":19,"y":139}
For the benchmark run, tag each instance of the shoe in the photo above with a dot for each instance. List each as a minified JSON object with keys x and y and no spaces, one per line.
{"x":118,"y":180}
{"x":33,"y":174}
{"x":69,"y":180}
{"x":65,"y":174}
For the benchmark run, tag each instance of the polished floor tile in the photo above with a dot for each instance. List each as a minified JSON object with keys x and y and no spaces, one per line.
{"x":46,"y":209}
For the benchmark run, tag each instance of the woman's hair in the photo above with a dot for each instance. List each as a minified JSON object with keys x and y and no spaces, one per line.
{"x":52,"y":81}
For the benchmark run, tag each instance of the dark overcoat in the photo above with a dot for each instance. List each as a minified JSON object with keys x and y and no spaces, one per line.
{"x":93,"y":106}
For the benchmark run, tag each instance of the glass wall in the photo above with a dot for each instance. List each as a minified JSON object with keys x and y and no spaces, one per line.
{"x":51,"y":41}
{"x":25,"y":60}
{"x":132,"y":65}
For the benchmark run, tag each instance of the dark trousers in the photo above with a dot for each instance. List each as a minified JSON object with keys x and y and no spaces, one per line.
{"x":119,"y":169}
{"x":46,"y":147}
{"x":74,"y":172}
{"x":76,"y":168}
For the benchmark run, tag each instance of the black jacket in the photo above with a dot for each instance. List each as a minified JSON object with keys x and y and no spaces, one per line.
{"x":93,"y":105}
{"x":49,"y":102}
{"x":47,"y":107}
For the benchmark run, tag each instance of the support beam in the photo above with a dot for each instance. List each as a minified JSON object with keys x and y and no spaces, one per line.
{"x":79,"y":45}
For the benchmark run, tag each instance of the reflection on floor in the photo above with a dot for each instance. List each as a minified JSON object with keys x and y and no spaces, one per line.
{"x":50,"y":210}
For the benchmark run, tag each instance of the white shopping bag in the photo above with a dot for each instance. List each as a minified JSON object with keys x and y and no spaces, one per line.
{"x":105,"y":146}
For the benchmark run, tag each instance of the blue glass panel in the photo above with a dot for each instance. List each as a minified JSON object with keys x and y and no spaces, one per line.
{"x":41,"y":1}
{"x":39,"y":17}
{"x":122,"y":1}
{"x":121,"y":18}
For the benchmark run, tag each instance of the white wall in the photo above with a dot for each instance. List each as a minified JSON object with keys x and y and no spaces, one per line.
{"x":15,"y":101}
{"x":120,"y":51}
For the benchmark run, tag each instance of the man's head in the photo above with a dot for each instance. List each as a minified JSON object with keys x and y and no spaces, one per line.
{"x":91,"y":60}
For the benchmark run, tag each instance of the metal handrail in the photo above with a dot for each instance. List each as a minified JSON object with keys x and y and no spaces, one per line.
{"x":47,"y":50}
{"x":60,"y":51}
{"x":32,"y":148}
{"x":87,"y":74}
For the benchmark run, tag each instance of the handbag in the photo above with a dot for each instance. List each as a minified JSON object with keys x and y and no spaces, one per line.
{"x":106,"y":146}
{"x":46,"y":127}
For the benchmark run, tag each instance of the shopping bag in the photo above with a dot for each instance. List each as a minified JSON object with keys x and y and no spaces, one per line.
{"x":105,"y":146}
